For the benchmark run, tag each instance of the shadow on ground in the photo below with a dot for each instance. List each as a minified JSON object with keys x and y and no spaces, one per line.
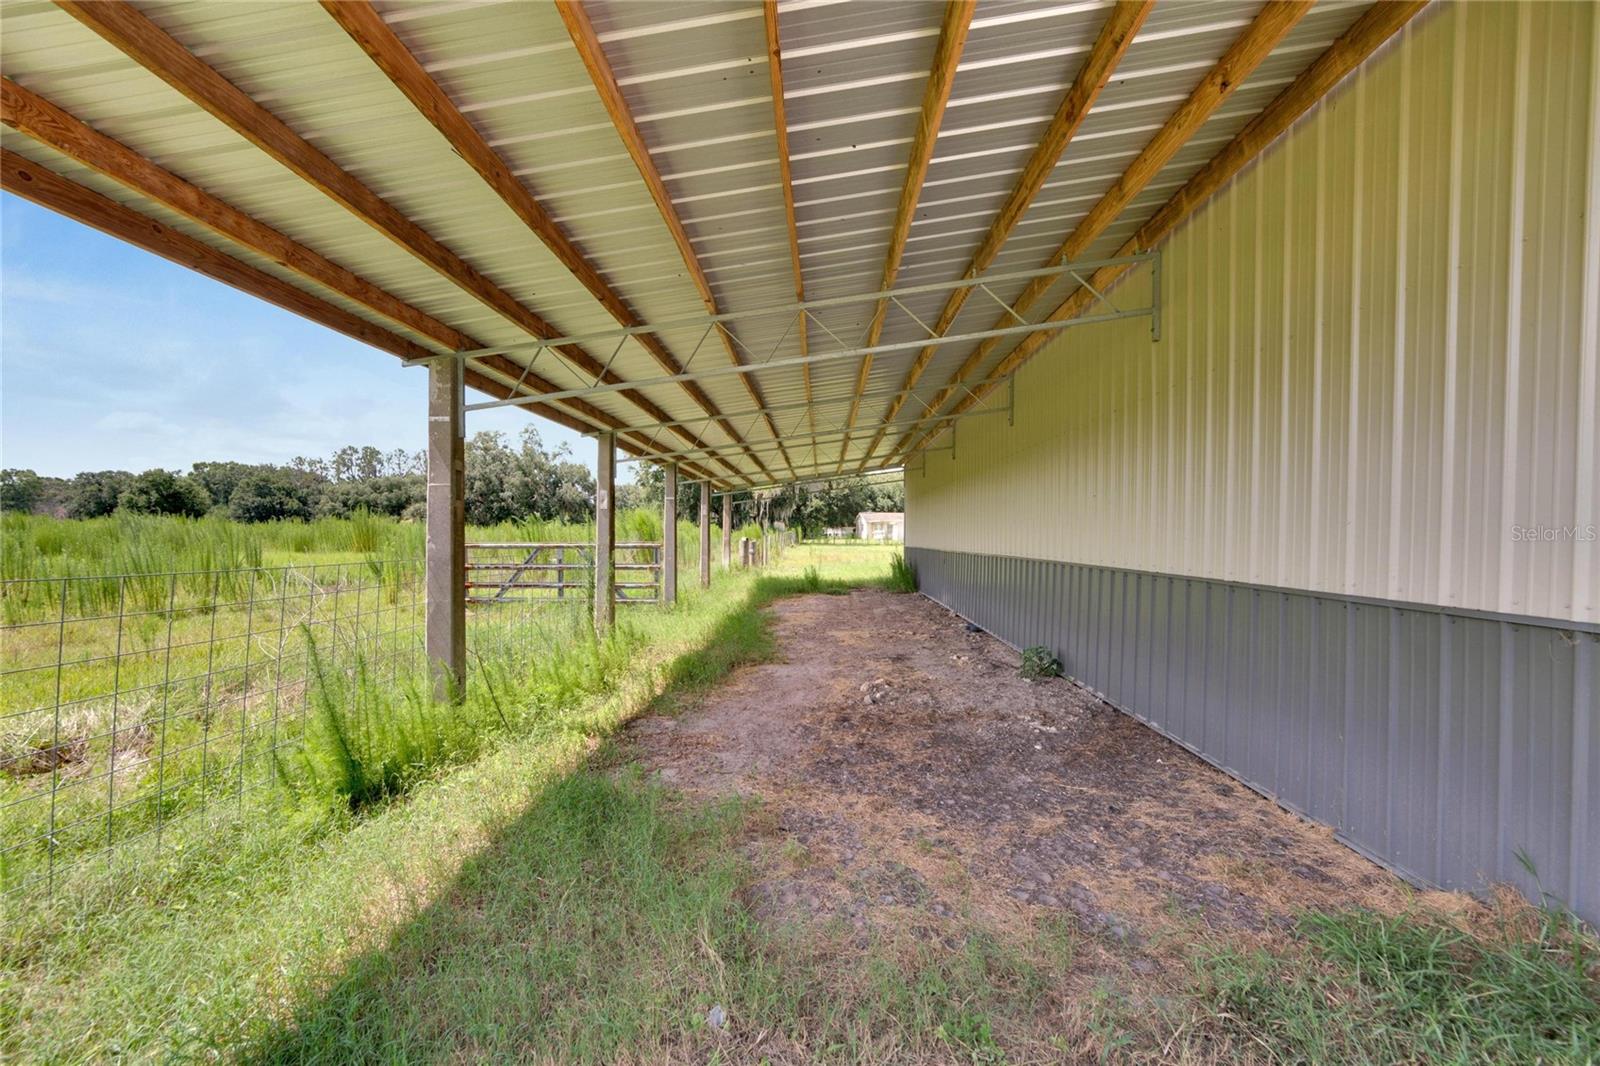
{"x":875,"y":842}
{"x":609,"y":922}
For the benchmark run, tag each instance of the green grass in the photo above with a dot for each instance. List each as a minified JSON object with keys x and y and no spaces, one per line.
{"x":1363,"y":987}
{"x":256,"y":902}
{"x":182,"y":678}
{"x":604,"y":924}
{"x":35,"y":548}
{"x":902,"y":575}
{"x":518,"y":896}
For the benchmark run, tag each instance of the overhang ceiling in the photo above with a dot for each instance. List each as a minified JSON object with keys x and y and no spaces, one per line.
{"x":661,"y":202}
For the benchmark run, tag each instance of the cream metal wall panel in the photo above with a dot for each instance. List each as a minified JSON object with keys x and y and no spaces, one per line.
{"x":1378,"y":368}
{"x":1002,"y":101}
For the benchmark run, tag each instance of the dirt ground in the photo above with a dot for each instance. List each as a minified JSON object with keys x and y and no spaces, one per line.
{"x":911,"y":779}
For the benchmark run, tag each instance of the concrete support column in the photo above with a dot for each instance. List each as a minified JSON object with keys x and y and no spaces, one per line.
{"x":705,"y":534}
{"x":669,"y":535}
{"x":727,"y":531}
{"x":605,"y":532}
{"x":446,"y":553}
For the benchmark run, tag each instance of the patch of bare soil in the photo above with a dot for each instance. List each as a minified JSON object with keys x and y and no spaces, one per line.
{"x":913,"y":781}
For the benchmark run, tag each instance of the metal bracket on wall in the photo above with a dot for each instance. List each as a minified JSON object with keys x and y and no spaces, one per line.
{"x":1155,"y":298}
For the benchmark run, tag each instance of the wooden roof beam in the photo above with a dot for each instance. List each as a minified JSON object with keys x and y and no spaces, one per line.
{"x":1271,"y":24}
{"x":780,"y":121}
{"x":1380,"y":22}
{"x":936,"y":95}
{"x":1115,"y":36}
{"x":44,"y":187}
{"x":366,"y":27}
{"x":587,"y":42}
{"x":153,"y":48}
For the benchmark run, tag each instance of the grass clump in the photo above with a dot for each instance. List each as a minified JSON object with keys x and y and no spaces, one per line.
{"x":367,"y":737}
{"x":1365,"y":987}
{"x":1040,"y":662}
{"x":372,"y":734}
{"x":902,"y":575}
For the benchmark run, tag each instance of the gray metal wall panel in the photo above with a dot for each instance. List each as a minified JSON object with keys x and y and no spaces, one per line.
{"x":1443,"y":744}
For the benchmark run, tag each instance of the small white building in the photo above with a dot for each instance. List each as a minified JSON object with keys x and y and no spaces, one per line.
{"x":881,"y":525}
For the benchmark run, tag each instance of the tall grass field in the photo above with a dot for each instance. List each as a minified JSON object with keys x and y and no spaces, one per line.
{"x":152,"y":666}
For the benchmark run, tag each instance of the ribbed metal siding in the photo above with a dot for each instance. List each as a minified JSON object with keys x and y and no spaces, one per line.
{"x":1379,"y":353}
{"x":1439,"y":743}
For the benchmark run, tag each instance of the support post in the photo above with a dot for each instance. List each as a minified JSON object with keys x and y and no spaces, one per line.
{"x":705,"y":534}
{"x":727,"y":531}
{"x":605,"y":532}
{"x":446,"y":551}
{"x":669,"y":535}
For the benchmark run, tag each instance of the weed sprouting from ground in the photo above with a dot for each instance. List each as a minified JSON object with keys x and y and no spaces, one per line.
{"x":1040,"y":662}
{"x":902,"y":575}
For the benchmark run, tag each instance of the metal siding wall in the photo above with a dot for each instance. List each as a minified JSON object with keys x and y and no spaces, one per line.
{"x":1379,"y":353}
{"x":1441,"y":744}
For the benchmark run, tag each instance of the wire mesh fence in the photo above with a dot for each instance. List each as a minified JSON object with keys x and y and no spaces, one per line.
{"x":129,"y":700}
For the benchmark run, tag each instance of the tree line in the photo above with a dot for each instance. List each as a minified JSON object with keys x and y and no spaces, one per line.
{"x":810,"y":506}
{"x":506,"y":480}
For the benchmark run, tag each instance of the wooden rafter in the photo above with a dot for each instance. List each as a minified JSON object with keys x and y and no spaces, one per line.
{"x":367,"y":28}
{"x":44,"y":187}
{"x":158,"y":52}
{"x":1273,"y":21}
{"x":780,"y":122}
{"x":1116,"y":35}
{"x":587,"y":42}
{"x":31,"y":114}
{"x":941,"y":79}
{"x":1380,"y":22}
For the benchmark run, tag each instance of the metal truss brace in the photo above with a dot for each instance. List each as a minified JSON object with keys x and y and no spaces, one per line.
{"x":794,"y":311}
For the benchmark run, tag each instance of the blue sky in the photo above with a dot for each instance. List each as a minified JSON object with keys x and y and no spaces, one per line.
{"x":113,"y":358}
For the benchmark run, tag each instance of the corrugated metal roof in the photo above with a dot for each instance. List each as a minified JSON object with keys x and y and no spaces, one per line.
{"x":694,"y":76}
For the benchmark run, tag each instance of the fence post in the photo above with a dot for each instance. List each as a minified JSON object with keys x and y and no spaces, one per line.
{"x":561,"y":573}
{"x":669,"y":536}
{"x":446,"y":552}
{"x":705,"y":534}
{"x":727,"y":530}
{"x":605,"y":606}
